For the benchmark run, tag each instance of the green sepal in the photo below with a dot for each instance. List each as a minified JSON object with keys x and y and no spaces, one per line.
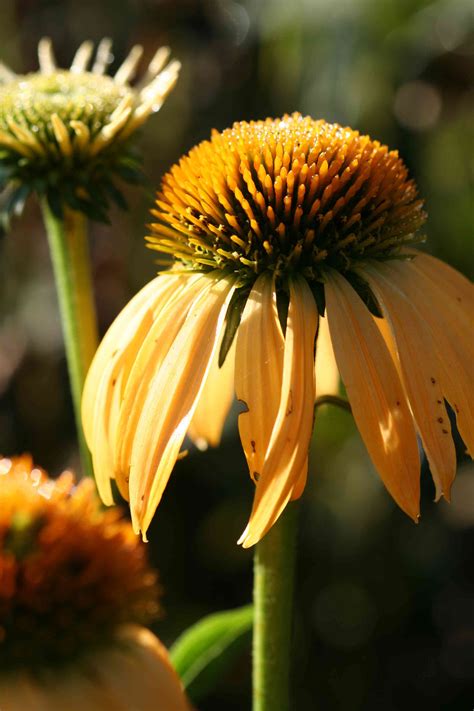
{"x":365,"y":293}
{"x":116,"y":196}
{"x":88,"y":186}
{"x":233,"y":317}
{"x":206,"y":651}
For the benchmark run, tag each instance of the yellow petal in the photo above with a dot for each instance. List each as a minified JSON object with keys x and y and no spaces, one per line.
{"x":291,"y":433}
{"x":172,"y":398}
{"x":258,"y":371}
{"x":168,"y":317}
{"x":101,"y":405}
{"x":300,"y":483}
{"x":448,"y":280}
{"x":421,"y":374}
{"x":115,"y":340}
{"x":214,"y":403}
{"x":327,"y":373}
{"x":377,"y":398}
{"x":107,"y":377}
{"x":453,"y":295}
{"x":452,"y":344}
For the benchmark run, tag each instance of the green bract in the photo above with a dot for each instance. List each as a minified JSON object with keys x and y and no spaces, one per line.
{"x":67,"y":134}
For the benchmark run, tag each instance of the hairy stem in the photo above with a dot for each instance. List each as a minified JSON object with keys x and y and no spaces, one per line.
{"x":274,"y":563}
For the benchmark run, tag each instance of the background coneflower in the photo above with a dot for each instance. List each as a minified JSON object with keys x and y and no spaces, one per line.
{"x":75,"y":590}
{"x":67,"y":136}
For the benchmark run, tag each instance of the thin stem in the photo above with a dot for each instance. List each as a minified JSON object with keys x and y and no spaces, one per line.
{"x":332,"y":400}
{"x":70,"y":256}
{"x":274,"y":564}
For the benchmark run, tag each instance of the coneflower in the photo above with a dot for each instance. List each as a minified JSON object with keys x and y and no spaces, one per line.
{"x":65,"y":134}
{"x":68,"y":136}
{"x":76,"y":589}
{"x":273,"y":228}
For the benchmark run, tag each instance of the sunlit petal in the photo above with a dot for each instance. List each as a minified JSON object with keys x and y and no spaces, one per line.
{"x":291,"y":433}
{"x":327,"y":372}
{"x":421,"y":373}
{"x":375,"y":392}
{"x":214,"y":402}
{"x":169,"y":315}
{"x":258,"y":371}
{"x":453,"y":345}
{"x":164,"y":421}
{"x":115,"y":341}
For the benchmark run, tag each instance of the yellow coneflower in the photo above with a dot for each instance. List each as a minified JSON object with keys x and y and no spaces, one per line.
{"x":65,"y":134}
{"x":75,"y":588}
{"x":283,"y":232}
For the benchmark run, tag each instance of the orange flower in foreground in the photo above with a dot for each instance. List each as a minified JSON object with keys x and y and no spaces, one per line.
{"x":290,"y":237}
{"x":74,"y":587}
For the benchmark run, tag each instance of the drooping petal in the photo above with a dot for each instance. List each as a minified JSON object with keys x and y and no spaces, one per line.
{"x":376,"y":394}
{"x":258,"y":371}
{"x":164,"y":421}
{"x":421,"y":374}
{"x":453,"y":295}
{"x":300,"y":483}
{"x":114,"y":340}
{"x":449,"y":281}
{"x":289,"y":442}
{"x":214,"y":403}
{"x":327,"y":372}
{"x":167,"y":320}
{"x":453,"y":345}
{"x":105,"y":413}
{"x":106,"y":378}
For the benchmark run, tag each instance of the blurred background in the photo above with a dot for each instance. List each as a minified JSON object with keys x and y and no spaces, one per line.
{"x":385,"y":609}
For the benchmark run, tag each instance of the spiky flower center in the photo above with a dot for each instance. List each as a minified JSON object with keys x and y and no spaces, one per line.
{"x":284,"y":195}
{"x":30,"y":100}
{"x":70,"y":572}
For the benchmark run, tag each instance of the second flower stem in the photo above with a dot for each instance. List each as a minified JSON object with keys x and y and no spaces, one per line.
{"x":69,"y":249}
{"x":274,"y":564}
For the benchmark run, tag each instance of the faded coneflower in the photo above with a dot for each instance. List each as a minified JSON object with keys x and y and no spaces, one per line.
{"x":65,"y":134}
{"x":273,"y":224}
{"x":75,"y":588}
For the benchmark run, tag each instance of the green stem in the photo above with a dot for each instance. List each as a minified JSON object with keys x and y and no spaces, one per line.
{"x":274,"y":564}
{"x":332,"y":400}
{"x":70,"y":256}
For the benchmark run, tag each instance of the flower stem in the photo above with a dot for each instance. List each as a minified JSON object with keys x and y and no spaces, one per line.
{"x":69,"y":249}
{"x":333,"y":400}
{"x":274,"y":564}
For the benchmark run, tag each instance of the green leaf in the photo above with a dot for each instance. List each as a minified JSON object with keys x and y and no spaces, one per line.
{"x":205,"y":651}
